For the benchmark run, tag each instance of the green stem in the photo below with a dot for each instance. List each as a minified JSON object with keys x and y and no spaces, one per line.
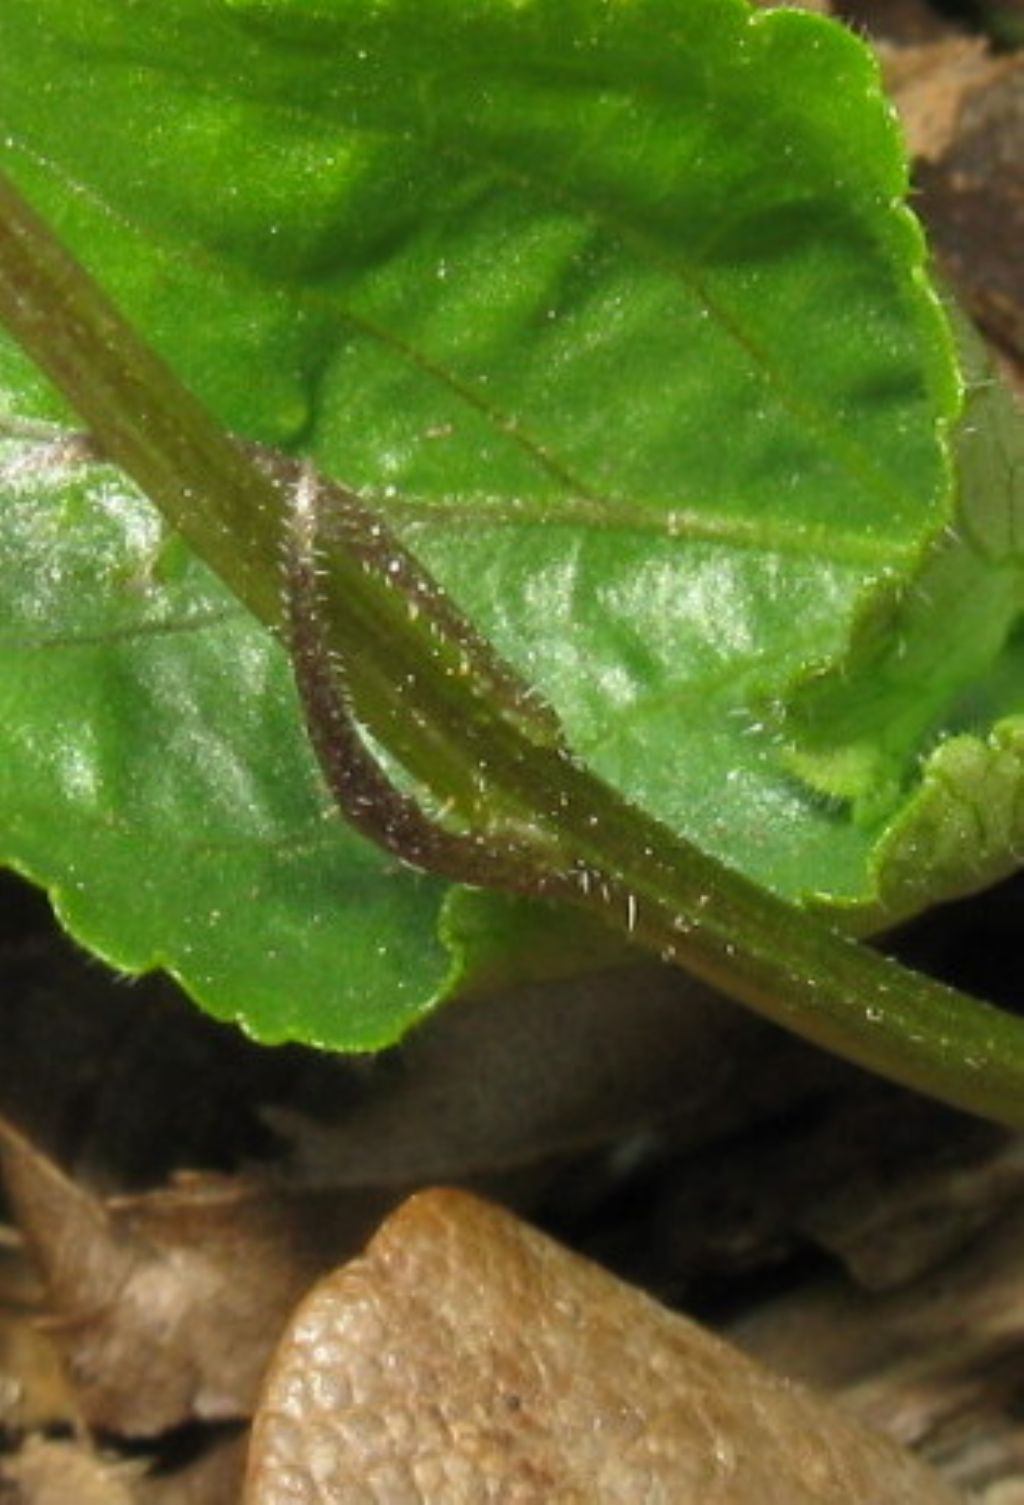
{"x":227,"y":506}
{"x":413,"y":689}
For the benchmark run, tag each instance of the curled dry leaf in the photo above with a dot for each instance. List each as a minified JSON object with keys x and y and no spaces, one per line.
{"x":962,"y":108}
{"x":65,"y":1473}
{"x":34,"y":1390}
{"x":973,"y":203}
{"x":167,"y":1305}
{"x":931,"y":86}
{"x":887,"y":1183}
{"x":466,"y":1357}
{"x":939,"y":1364}
{"x":890,"y":1233}
{"x":509,"y":1079}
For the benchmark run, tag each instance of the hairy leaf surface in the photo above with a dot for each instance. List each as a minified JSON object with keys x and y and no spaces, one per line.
{"x":617,"y":312}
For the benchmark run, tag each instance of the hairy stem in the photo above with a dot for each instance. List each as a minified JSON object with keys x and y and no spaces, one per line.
{"x":223,"y":501}
{"x":434,"y":701}
{"x":364,"y":793}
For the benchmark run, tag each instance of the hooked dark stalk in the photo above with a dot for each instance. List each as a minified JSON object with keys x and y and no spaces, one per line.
{"x":431,"y":693}
{"x":365,"y":794}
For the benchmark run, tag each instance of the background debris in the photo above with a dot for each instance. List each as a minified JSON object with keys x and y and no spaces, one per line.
{"x":166,"y":1305}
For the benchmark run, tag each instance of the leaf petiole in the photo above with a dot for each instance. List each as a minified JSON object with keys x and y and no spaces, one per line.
{"x":431,"y":694}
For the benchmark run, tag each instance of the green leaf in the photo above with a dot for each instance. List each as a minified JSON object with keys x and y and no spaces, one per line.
{"x":917,"y":730}
{"x":615,"y":310}
{"x":155,"y":777}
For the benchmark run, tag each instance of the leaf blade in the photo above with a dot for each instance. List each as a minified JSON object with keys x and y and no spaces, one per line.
{"x":431,"y":398}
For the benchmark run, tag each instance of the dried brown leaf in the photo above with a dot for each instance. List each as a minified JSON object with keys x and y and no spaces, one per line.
{"x":34,"y":1390}
{"x":510,"y":1079}
{"x":889,"y":1232}
{"x":932,"y":84}
{"x":938,"y":1365}
{"x":466,"y":1357}
{"x":973,"y":203}
{"x":167,"y":1305}
{"x":65,"y":1473}
{"x":915,"y":21}
{"x":888,"y":1183}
